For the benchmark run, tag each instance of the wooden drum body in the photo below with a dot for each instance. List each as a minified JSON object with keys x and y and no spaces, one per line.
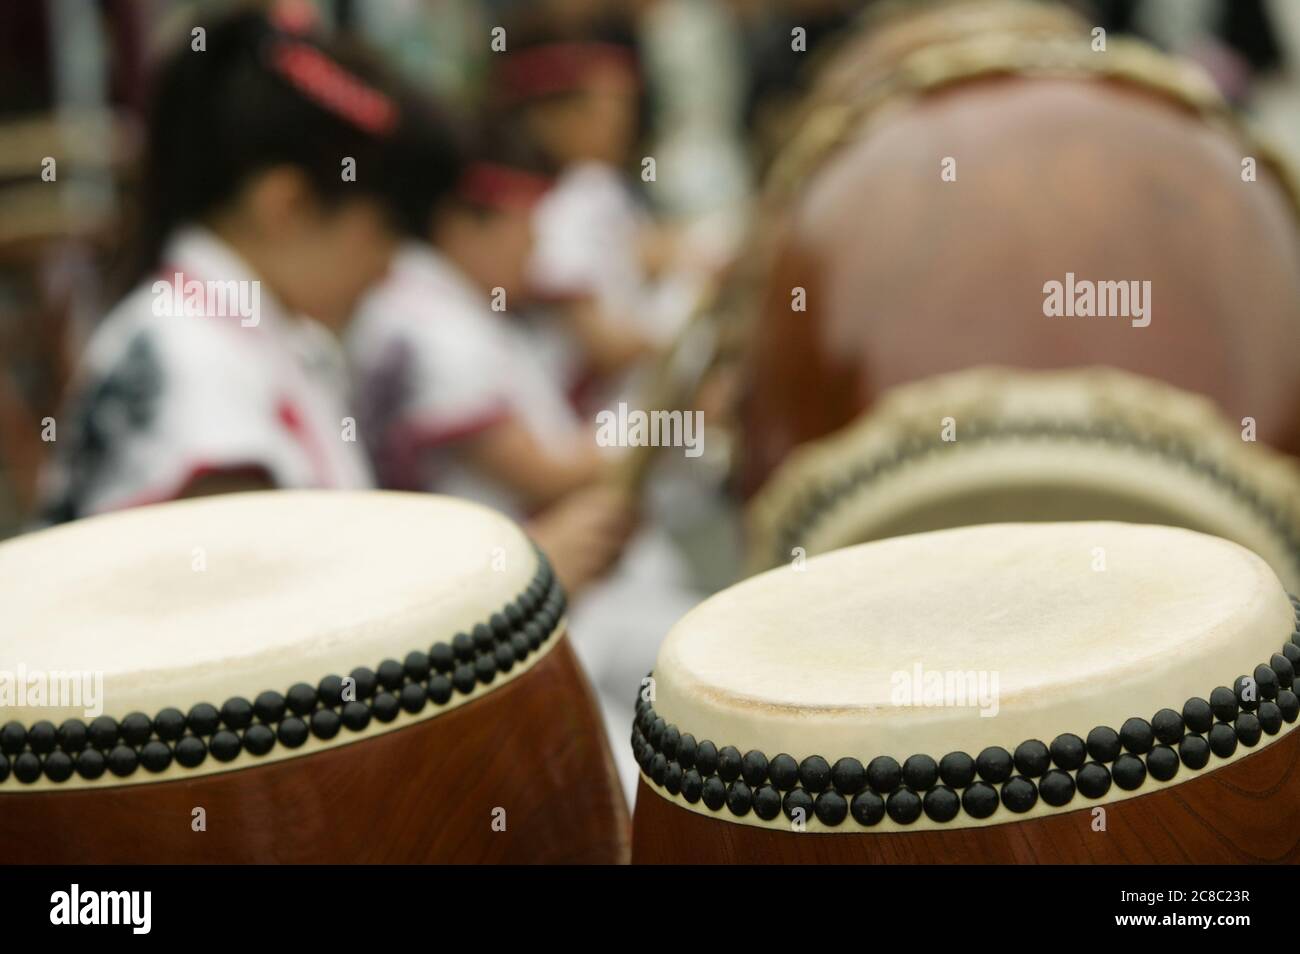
{"x":474,"y":738}
{"x":941,"y":180}
{"x":849,"y":709}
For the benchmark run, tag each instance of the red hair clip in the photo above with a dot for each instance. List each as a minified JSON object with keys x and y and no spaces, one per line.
{"x":329,"y":85}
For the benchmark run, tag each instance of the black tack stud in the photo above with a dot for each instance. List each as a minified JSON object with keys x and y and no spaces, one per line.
{"x":13,"y":737}
{"x":505,"y":656}
{"x":482,"y":637}
{"x":42,"y":736}
{"x":412,"y":699}
{"x":658,"y":767}
{"x":236,"y":714}
{"x":814,"y":773}
{"x":767,"y":802}
{"x":385,"y":707}
{"x":4,"y":767}
{"x":1194,"y":751}
{"x":324,"y":724}
{"x":390,"y":674}
{"x":994,"y":764}
{"x":729,"y":763}
{"x":706,"y":757}
{"x":920,"y":772}
{"x":849,"y":776}
{"x":58,"y":765}
{"x":103,"y":730}
{"x":135,"y":729}
{"x":1197,"y":715}
{"x":1223,"y":703}
{"x":941,"y":804}
{"x":365,"y":681}
{"x":831,"y":808}
{"x":190,"y":750}
{"x":330,"y":691}
{"x":1019,"y":794}
{"x":27,"y":766}
{"x":499,"y":626}
{"x":269,"y":707}
{"x":1270,"y":717}
{"x":884,"y":774}
{"x":355,"y":716}
{"x":224,"y":746}
{"x":1103,"y":744}
{"x":122,"y":761}
{"x":442,"y":658}
{"x":783,"y":770}
{"x":797,"y":805}
{"x":714,"y":793}
{"x":169,"y":723}
{"x":439,"y":689}
{"x":980,"y":799}
{"x":1266,"y":682}
{"x":519,"y":643}
{"x":1223,"y":740}
{"x":485,"y":668}
{"x":1129,"y":772}
{"x":91,"y":764}
{"x":753,"y":768}
{"x":686,"y":749}
{"x":656,"y":733}
{"x":1168,"y":726}
{"x":301,"y":699}
{"x":156,"y":756}
{"x":740,"y":798}
{"x":1289,"y":705}
{"x":673,"y":777}
{"x":1162,"y":763}
{"x":867,"y":808}
{"x":1093,"y":780}
{"x":903,"y":806}
{"x":1057,"y":788}
{"x":1291,"y":652}
{"x":1137,"y":735}
{"x":1068,"y":751}
{"x":1248,"y":729}
{"x":1032,"y":758}
{"x":1284,"y":670}
{"x":462,"y":679}
{"x":259,"y":739}
{"x":514,"y":615}
{"x":692,"y":786}
{"x":72,"y":733}
{"x":957,"y":770}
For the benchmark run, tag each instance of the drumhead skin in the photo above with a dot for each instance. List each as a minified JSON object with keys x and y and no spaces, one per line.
{"x":231,"y":650}
{"x":999,"y":445}
{"x":971,"y":677}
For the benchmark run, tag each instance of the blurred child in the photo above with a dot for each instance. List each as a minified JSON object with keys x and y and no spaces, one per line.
{"x":453,"y":400}
{"x":274,"y":160}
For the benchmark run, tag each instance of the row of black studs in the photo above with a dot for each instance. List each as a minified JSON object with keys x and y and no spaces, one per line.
{"x":820,"y":501}
{"x":831,"y":792}
{"x":120,"y":748}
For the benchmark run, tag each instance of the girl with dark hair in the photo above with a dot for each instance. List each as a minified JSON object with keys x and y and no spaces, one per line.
{"x":277,"y":165}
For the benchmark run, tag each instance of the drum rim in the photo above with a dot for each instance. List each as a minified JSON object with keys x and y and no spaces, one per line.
{"x":655,"y":742}
{"x":502,"y":647}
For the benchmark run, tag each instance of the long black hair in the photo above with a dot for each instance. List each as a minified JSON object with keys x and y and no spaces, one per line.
{"x":260,"y":95}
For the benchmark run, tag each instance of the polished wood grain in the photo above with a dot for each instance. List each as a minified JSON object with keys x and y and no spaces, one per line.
{"x":908,"y":276}
{"x":535,"y":747}
{"x":1245,"y":813}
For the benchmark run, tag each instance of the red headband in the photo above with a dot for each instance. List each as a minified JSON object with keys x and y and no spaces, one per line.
{"x":559,"y":67}
{"x":496,"y":186}
{"x":330,"y":86}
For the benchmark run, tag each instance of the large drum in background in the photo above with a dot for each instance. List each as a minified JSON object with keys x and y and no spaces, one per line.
{"x":1070,"y":692}
{"x":954,"y":162}
{"x":296,"y":677}
{"x":994,"y":445}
